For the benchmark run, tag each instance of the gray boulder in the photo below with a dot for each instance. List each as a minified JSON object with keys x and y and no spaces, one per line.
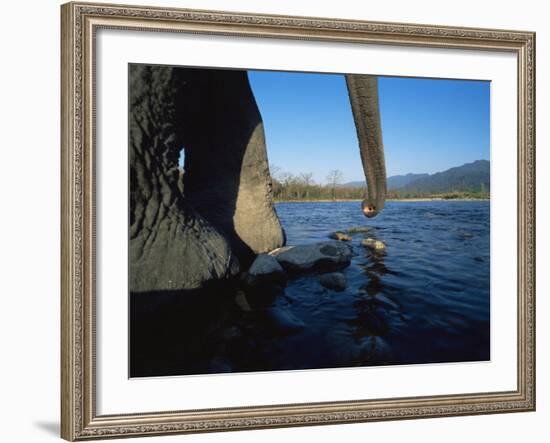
{"x":265,"y":270}
{"x":334,"y":280}
{"x":324,"y":256}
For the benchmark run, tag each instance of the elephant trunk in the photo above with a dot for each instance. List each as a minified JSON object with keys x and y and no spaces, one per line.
{"x":363,"y":95}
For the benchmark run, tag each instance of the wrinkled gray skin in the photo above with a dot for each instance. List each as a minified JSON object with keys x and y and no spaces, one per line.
{"x":227,"y":177}
{"x":363,"y":95}
{"x":187,"y":234}
{"x":171,"y":245}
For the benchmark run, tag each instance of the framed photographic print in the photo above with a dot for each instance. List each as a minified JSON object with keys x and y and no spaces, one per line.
{"x":280,"y":221}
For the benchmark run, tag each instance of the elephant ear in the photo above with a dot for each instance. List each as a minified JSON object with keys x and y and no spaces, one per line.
{"x":363,"y":95}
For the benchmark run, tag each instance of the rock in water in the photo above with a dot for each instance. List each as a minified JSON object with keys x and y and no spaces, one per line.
{"x":280,"y":250}
{"x":371,"y":243}
{"x":339,"y":235}
{"x":335,"y":281}
{"x":265,"y":270}
{"x":324,"y":256}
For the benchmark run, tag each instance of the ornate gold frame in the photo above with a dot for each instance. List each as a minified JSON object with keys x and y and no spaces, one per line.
{"x":79,"y":21}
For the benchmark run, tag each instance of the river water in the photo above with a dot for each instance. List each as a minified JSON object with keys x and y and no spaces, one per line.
{"x":425,"y":299}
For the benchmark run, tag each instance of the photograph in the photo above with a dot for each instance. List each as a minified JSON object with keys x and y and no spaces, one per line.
{"x":275,"y":221}
{"x":283,"y":217}
{"x":284,"y":221}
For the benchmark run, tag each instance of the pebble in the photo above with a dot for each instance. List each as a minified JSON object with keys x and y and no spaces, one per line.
{"x":339,"y":235}
{"x":334,"y":280}
{"x":371,"y":243}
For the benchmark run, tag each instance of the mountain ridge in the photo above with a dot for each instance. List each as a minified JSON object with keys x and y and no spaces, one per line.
{"x":473,"y":176}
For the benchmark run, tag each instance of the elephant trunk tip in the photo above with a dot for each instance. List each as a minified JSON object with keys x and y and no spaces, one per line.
{"x":369,"y":209}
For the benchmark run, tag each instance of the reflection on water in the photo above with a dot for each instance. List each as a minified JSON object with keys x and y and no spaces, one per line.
{"x":424,"y":299}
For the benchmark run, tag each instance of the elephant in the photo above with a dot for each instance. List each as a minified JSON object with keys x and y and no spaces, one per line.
{"x":190,"y":229}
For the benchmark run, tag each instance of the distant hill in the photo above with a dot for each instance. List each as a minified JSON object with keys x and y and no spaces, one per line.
{"x":359,"y":184}
{"x":473,"y":176}
{"x":394,"y":182}
{"x":398,"y":181}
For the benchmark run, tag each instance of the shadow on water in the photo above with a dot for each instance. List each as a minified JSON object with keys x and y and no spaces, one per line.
{"x":175,"y":332}
{"x":213,"y":330}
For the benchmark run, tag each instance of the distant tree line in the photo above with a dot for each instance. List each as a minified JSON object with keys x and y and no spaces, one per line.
{"x":296,"y":187}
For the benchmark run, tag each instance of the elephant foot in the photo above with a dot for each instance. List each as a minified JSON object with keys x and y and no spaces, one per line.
{"x":180,"y":252}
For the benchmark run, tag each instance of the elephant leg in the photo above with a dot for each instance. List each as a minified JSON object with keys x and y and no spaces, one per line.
{"x":363,"y":95}
{"x":227,"y":179}
{"x":171,"y":246}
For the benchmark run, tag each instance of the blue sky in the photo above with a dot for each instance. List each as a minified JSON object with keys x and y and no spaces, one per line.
{"x":428,"y":125}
